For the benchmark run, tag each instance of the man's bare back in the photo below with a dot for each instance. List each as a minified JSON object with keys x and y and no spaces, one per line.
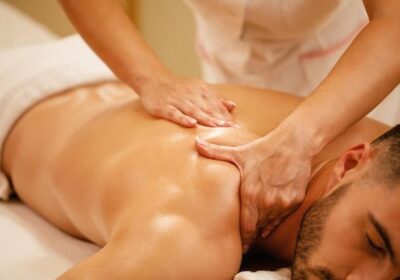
{"x":93,"y":163}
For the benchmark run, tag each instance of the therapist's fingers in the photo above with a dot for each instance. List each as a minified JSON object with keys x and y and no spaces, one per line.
{"x":173,"y":114}
{"x":218,"y":152}
{"x":223,"y":111}
{"x":271,"y":225}
{"x":193,"y":98}
{"x":214,"y":105}
{"x":215,"y":109}
{"x":202,"y":117}
{"x":267,"y":221}
{"x":229,"y":105}
{"x":272,"y":219}
{"x":248,"y":223}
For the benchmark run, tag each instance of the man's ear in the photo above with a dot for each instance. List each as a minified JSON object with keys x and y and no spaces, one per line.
{"x":355,"y":157}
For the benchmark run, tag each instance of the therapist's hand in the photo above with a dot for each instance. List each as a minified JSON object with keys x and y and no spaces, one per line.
{"x":275,"y":172}
{"x":184,"y":101}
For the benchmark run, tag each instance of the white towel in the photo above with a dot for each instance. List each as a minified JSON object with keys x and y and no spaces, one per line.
{"x":281,"y":274}
{"x":30,"y":74}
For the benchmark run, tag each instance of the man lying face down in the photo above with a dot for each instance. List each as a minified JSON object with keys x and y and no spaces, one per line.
{"x":94,"y":164}
{"x":353,"y":231}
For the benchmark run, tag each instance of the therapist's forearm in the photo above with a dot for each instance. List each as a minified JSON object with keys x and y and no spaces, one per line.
{"x":367,"y":72}
{"x":108,"y":30}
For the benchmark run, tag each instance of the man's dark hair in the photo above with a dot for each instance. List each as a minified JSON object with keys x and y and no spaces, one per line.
{"x":386,"y":167}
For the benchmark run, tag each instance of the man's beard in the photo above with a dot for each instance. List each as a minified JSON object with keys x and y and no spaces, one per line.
{"x":309,"y":238}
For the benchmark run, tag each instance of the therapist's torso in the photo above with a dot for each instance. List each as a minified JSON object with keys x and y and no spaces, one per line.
{"x":280,"y":44}
{"x":286,"y":45}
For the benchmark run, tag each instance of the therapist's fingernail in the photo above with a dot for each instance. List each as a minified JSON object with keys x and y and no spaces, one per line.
{"x":200,"y":141}
{"x":192,"y":121}
{"x":220,"y":123}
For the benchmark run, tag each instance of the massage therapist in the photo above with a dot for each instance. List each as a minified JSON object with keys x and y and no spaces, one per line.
{"x":288,"y":45}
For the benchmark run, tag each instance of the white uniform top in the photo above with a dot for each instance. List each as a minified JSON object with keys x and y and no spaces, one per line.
{"x":286,"y":45}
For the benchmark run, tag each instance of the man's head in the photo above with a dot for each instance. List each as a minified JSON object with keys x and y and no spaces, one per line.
{"x":354,"y":231}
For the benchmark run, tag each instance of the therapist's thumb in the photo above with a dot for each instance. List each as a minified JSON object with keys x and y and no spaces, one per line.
{"x":217,"y":152}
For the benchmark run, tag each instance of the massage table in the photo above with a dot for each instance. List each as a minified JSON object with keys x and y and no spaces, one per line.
{"x":30,"y":247}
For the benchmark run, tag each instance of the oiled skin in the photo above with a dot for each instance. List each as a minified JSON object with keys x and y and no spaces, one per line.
{"x":93,"y":163}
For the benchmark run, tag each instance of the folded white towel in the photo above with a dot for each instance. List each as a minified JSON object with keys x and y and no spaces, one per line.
{"x":281,"y":274}
{"x":30,"y":74}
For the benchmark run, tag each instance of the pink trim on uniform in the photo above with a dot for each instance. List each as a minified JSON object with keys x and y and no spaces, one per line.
{"x":201,"y":51}
{"x":319,"y":53}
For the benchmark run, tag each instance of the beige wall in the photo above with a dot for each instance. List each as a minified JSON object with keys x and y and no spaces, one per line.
{"x":47,"y":12}
{"x":167,"y":26}
{"x":50,"y":13}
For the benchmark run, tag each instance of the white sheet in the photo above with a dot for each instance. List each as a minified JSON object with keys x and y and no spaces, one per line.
{"x":31,"y":248}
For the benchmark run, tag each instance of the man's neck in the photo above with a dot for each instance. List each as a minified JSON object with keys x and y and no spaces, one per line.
{"x":281,"y":243}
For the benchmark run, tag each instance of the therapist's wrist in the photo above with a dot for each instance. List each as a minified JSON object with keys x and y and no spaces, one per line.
{"x":301,"y":136}
{"x":142,"y":81}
